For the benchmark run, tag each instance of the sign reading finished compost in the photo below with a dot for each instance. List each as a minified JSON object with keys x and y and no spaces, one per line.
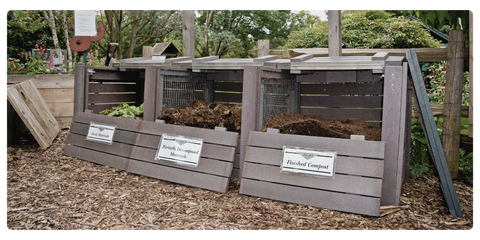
{"x":180,"y":149}
{"x":314,"y":162}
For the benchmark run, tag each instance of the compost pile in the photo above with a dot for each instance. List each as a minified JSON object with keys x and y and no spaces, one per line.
{"x":301,"y":124}
{"x":203,"y":115}
{"x":47,"y":190}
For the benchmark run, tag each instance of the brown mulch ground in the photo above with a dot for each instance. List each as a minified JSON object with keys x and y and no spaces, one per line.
{"x":46,"y":190}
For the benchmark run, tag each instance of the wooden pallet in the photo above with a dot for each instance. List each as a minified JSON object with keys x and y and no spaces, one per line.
{"x":135,"y":144}
{"x":34,"y":112}
{"x":356,"y":187}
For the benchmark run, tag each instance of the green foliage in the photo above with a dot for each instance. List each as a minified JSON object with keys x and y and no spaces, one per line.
{"x":435,"y":75}
{"x":366,"y":29}
{"x":420,"y":159}
{"x":465,"y":169}
{"x":124,"y":110}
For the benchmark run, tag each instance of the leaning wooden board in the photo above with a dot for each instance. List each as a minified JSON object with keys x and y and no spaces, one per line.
{"x":135,"y":144}
{"x":433,"y":139}
{"x":356,"y":187}
{"x":34,"y":112}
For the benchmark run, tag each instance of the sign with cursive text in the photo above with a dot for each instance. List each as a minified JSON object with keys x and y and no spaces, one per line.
{"x":180,"y":149}
{"x":309,"y":161}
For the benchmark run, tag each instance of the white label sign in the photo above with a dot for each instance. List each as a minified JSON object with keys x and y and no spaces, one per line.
{"x":180,"y":149}
{"x":102,"y":133}
{"x":309,"y":161}
{"x":85,"y":24}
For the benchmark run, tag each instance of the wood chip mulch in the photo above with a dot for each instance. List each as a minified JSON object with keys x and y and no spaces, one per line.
{"x":47,"y":190}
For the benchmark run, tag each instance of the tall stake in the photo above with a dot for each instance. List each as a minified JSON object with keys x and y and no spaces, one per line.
{"x":453,"y":100}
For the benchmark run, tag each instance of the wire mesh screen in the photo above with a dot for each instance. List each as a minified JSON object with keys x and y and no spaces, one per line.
{"x":179,"y":91}
{"x":277,"y":96}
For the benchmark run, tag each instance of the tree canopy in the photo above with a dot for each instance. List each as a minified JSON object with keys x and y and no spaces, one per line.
{"x":366,"y":29}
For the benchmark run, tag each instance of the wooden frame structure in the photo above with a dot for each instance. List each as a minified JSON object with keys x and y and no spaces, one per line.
{"x":384,"y":83}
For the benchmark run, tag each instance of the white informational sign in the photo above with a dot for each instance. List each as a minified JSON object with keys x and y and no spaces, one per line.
{"x":85,"y":23}
{"x":309,"y":161}
{"x":180,"y":149}
{"x":102,"y":133}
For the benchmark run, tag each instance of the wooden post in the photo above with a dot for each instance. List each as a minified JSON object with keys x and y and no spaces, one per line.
{"x":147,"y":52}
{"x":334,"y":33}
{"x":453,"y":100}
{"x":188,"y":33}
{"x":263,"y":47}
{"x":79,"y":88}
{"x":472,"y":109}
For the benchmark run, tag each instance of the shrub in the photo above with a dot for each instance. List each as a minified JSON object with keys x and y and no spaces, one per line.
{"x":366,"y":29}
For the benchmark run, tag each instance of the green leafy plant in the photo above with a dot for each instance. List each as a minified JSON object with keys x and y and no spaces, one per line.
{"x":465,"y":168}
{"x":420,"y":161}
{"x":124,"y":110}
{"x":435,"y":74}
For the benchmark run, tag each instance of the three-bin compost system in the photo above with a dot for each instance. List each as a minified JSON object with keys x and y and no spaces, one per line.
{"x":352,"y":174}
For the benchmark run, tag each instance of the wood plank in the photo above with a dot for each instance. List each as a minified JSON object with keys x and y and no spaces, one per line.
{"x":61,"y":109}
{"x":57,"y":95}
{"x":230,"y":86}
{"x":44,"y":81}
{"x":96,"y":157}
{"x":368,"y":149}
{"x":344,"y":113}
{"x":227,"y":97}
{"x":121,"y":136}
{"x":149,"y":93}
{"x":392,"y":111}
{"x":121,"y":123}
{"x":118,"y":149}
{"x":236,"y":75}
{"x":81,"y":80}
{"x":341,"y":183}
{"x":343,"y":89}
{"x":205,"y":165}
{"x":472,"y":60}
{"x":324,"y":199}
{"x":344,"y":165}
{"x":108,"y":75}
{"x":112,"y":87}
{"x":433,"y":139}
{"x":208,"y":135}
{"x":112,"y":98}
{"x":189,"y":178}
{"x":34,"y":112}
{"x":342,"y":101}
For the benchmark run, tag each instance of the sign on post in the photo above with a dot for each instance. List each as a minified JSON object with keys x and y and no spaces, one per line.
{"x":315,"y":162}
{"x":180,"y":149}
{"x":85,"y":24}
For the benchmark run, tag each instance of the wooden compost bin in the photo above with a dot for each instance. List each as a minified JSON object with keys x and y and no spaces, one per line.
{"x":372,"y":88}
{"x":135,"y":142}
{"x":222,"y":81}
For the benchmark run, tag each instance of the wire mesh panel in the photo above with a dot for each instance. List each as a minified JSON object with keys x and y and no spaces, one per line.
{"x":277,"y":96}
{"x":180,"y":90}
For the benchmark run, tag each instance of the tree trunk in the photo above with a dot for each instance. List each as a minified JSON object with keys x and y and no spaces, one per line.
{"x":137,"y":15}
{"x":51,"y":23}
{"x":453,"y":100}
{"x":65,"y":33}
{"x":206,"y":51}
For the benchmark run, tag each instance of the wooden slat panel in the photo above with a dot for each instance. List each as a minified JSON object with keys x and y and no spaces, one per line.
{"x":342,"y":101}
{"x":369,"y":149}
{"x":121,"y":123}
{"x":96,"y":157}
{"x":344,"y":113}
{"x":205,"y":165}
{"x":343,"y":89}
{"x":121,"y":136}
{"x":195,"y":179}
{"x":114,"y":75}
{"x":227,"y":97}
{"x":324,"y":199}
{"x":228,"y":86}
{"x":208,"y":135}
{"x":344,"y":165}
{"x":341,"y":183}
{"x":368,"y":76}
{"x":208,"y":151}
{"x":61,"y":109}
{"x":34,"y":112}
{"x":98,"y":87}
{"x":236,"y":75}
{"x":57,"y":95}
{"x":116,"y":148}
{"x":109,"y":98}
